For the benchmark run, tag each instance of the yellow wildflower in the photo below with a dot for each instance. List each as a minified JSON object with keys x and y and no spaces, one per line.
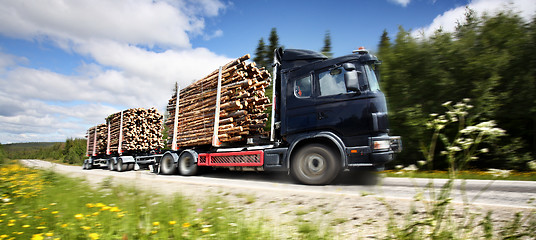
{"x":54,"y":212}
{"x":43,"y":209}
{"x":79,"y":216}
{"x":154,"y":232}
{"x":95,"y":213}
{"x":115,"y":209}
{"x":156,"y":223}
{"x":186,"y":225}
{"x":4,"y":236}
{"x":100,"y":205}
{"x":172,"y":222}
{"x":205,"y":230}
{"x":90,"y":205}
{"x":85,"y":227}
{"x":52,"y":204}
{"x":49,"y":234}
{"x":105,"y":208}
{"x":40,"y":227}
{"x":94,"y":236}
{"x":120,"y":215}
{"x":37,"y":237}
{"x":26,"y":226}
{"x":64,"y":225}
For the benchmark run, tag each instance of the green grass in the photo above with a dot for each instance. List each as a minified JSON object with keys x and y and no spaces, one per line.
{"x":469,"y":174}
{"x":42,"y":204}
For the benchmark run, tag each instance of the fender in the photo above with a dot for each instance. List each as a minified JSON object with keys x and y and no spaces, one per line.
{"x":174,"y":155}
{"x":295,"y":139}
{"x":127,"y":159}
{"x":194,"y":154}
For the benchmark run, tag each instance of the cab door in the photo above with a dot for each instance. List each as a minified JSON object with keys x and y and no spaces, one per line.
{"x":346,"y":113}
{"x":300,"y":102}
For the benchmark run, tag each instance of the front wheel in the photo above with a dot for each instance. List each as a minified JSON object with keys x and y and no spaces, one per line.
{"x":315,"y":164}
{"x":187,"y":164}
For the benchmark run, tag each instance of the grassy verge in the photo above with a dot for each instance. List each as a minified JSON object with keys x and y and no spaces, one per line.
{"x":469,"y":174}
{"x":38,"y":204}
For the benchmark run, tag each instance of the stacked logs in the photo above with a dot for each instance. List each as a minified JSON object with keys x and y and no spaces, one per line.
{"x":141,"y":130}
{"x":242,"y":105}
{"x":100,"y":133}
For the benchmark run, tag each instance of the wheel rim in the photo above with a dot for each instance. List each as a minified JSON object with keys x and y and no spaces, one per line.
{"x":187,"y":163}
{"x":314,"y":165}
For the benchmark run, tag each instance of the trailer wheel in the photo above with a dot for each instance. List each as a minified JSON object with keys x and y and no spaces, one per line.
{"x":187,"y":164}
{"x":130,"y":167}
{"x":111,"y":165}
{"x":120,"y":165}
{"x":84,"y":166}
{"x":89,"y":165}
{"x":167,"y":166}
{"x":315,"y":164}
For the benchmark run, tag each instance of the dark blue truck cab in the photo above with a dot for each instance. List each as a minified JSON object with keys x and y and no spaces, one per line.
{"x":329,"y":115}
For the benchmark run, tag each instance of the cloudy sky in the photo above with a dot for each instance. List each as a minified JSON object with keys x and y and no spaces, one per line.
{"x":67,"y":64}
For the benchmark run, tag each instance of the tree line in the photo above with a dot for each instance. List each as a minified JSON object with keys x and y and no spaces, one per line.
{"x":264,"y":53}
{"x":72,"y":151}
{"x":490,"y":59}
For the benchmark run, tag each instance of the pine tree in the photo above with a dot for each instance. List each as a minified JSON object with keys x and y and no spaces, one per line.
{"x":261,"y":57}
{"x":274,"y":43}
{"x":326,"y":50}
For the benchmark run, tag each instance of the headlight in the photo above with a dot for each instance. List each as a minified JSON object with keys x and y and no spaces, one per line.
{"x":381,"y":145}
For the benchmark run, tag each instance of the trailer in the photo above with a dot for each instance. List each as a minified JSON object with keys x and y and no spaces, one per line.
{"x":130,"y":139}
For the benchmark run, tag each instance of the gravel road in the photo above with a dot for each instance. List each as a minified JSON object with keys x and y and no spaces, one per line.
{"x":355,"y":210}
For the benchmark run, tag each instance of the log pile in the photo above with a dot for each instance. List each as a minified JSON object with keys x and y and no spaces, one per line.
{"x":99,"y":144}
{"x":141,"y":130}
{"x":242,"y":105}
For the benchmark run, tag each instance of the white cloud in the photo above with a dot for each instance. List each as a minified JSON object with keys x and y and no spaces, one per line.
{"x":42,"y":105}
{"x":403,"y":3}
{"x":449,"y":19}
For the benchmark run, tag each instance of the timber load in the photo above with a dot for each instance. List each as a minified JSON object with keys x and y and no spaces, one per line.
{"x":96,"y":140}
{"x":135,"y":129}
{"x":242,"y":104}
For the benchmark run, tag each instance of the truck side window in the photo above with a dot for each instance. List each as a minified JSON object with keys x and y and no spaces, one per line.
{"x":332,"y":82}
{"x":302,"y":87}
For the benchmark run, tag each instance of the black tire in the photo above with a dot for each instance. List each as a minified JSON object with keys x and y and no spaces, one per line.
{"x":111,"y":164}
{"x":187,"y":164}
{"x":89,"y":165}
{"x":167,"y":165}
{"x":130,"y":167}
{"x":315,"y":164}
{"x":121,"y":167}
{"x":84,"y":166}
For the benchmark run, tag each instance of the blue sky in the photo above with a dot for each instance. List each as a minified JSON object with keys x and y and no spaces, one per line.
{"x":66,"y":65}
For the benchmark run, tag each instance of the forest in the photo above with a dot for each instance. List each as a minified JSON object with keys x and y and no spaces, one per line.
{"x":488,"y":60}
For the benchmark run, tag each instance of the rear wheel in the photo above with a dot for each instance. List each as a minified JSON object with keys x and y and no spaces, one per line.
{"x":167,"y":165}
{"x":111,"y":165}
{"x":315,"y":164}
{"x":120,"y":165}
{"x":130,"y":167}
{"x":187,"y":164}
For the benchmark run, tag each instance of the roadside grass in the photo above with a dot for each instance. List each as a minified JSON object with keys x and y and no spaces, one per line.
{"x":37,"y":204}
{"x":466,"y":174}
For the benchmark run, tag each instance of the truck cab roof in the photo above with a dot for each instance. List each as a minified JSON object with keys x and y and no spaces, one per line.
{"x":294,"y":58}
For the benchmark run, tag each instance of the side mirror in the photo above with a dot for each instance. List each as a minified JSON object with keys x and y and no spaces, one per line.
{"x":348,"y":66}
{"x":351,"y":80}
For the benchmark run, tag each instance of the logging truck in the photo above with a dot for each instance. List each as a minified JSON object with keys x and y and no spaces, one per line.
{"x":326,"y":116}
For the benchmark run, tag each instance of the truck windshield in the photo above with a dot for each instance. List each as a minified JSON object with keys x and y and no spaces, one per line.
{"x":371,"y":76}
